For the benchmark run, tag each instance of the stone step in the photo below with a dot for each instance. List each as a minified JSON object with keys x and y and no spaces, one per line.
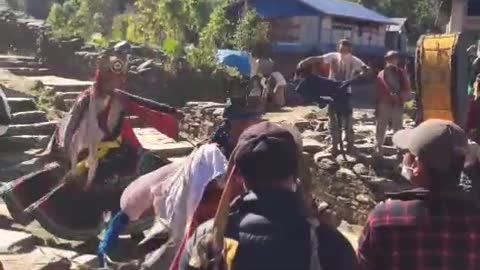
{"x":65,"y":100}
{"x":10,"y":57}
{"x":17,"y":63}
{"x":22,"y":142}
{"x":60,"y":84}
{"x":44,"y":128}
{"x":86,"y":261}
{"x":160,"y":144}
{"x":47,"y":258}
{"x":29,"y":117}
{"x":21,"y":104}
{"x":13,"y":241}
{"x":168,"y":150}
{"x":26,"y":71}
{"x":67,"y":95}
{"x":27,"y":165}
{"x":69,"y":102}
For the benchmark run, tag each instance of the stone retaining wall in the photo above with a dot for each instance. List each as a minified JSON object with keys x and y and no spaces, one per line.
{"x":18,"y":33}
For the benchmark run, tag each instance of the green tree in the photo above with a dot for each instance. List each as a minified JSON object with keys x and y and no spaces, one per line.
{"x":251,"y":34}
{"x":81,"y":18}
{"x":424,"y":16}
{"x":57,"y":17}
{"x":218,"y":33}
{"x":179,"y":20}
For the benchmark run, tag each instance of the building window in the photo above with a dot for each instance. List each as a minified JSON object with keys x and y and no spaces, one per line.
{"x":341,"y":31}
{"x":285,"y":30}
{"x":473,"y":8}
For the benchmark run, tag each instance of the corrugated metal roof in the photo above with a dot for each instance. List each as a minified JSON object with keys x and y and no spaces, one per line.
{"x":346,"y":9}
{"x":398,"y":26}
{"x":282,"y":8}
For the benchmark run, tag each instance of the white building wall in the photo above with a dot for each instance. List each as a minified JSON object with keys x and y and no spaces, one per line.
{"x":457,"y":18}
{"x":309,"y":32}
{"x":326,"y":31}
{"x":368,"y":36}
{"x":382,"y":34}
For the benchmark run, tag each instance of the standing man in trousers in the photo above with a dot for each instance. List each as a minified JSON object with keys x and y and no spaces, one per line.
{"x":393,"y":89}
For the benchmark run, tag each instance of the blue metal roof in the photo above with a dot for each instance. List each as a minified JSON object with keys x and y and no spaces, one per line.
{"x":282,"y":8}
{"x":346,"y":9}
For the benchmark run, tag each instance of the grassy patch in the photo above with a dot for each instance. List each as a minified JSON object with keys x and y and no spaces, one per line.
{"x":44,"y":97}
{"x":45,"y":100}
{"x":410,"y":108}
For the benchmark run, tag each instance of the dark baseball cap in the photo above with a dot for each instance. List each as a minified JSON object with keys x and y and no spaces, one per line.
{"x":267,"y":151}
{"x":436,"y":142}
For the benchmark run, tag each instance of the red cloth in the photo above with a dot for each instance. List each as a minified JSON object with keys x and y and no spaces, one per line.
{"x":162,"y":122}
{"x":473,"y":120}
{"x":205,"y":211}
{"x":473,"y":115}
{"x":421,"y":234}
{"x":129,"y":135}
{"x":383,"y":93}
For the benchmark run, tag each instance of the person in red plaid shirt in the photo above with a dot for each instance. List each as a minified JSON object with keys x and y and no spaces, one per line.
{"x":435,"y":226}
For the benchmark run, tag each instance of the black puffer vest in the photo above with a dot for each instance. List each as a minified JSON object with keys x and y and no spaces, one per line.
{"x":273,"y":234}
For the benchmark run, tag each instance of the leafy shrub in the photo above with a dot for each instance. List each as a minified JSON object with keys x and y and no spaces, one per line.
{"x":251,"y":33}
{"x":81,"y":18}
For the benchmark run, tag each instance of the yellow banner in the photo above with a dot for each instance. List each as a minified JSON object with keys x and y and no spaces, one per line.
{"x":436,"y":53}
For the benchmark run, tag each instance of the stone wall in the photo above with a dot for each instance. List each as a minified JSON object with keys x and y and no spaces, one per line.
{"x":74,"y":58}
{"x":201,"y":120}
{"x":19,"y":33}
{"x":148,"y":75}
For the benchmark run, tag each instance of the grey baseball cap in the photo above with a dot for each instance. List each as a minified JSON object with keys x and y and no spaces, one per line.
{"x":436,"y":142}
{"x":392,"y":54}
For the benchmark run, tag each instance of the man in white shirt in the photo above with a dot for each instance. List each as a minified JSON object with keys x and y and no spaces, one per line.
{"x":343,"y":66}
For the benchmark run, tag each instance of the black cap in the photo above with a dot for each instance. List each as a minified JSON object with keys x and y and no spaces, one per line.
{"x":266,"y":152}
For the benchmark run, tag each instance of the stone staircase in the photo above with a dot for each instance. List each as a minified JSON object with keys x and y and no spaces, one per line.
{"x":30,"y":127}
{"x":28,"y":134}
{"x":22,"y":66}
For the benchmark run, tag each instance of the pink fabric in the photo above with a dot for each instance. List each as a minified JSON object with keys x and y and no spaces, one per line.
{"x":137,"y":198}
{"x":177,"y":199}
{"x":87,"y":136}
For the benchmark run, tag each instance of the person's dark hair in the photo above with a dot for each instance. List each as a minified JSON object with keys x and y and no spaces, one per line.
{"x":441,"y":181}
{"x":304,"y":71}
{"x":266,"y":161}
{"x":345,"y":42}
